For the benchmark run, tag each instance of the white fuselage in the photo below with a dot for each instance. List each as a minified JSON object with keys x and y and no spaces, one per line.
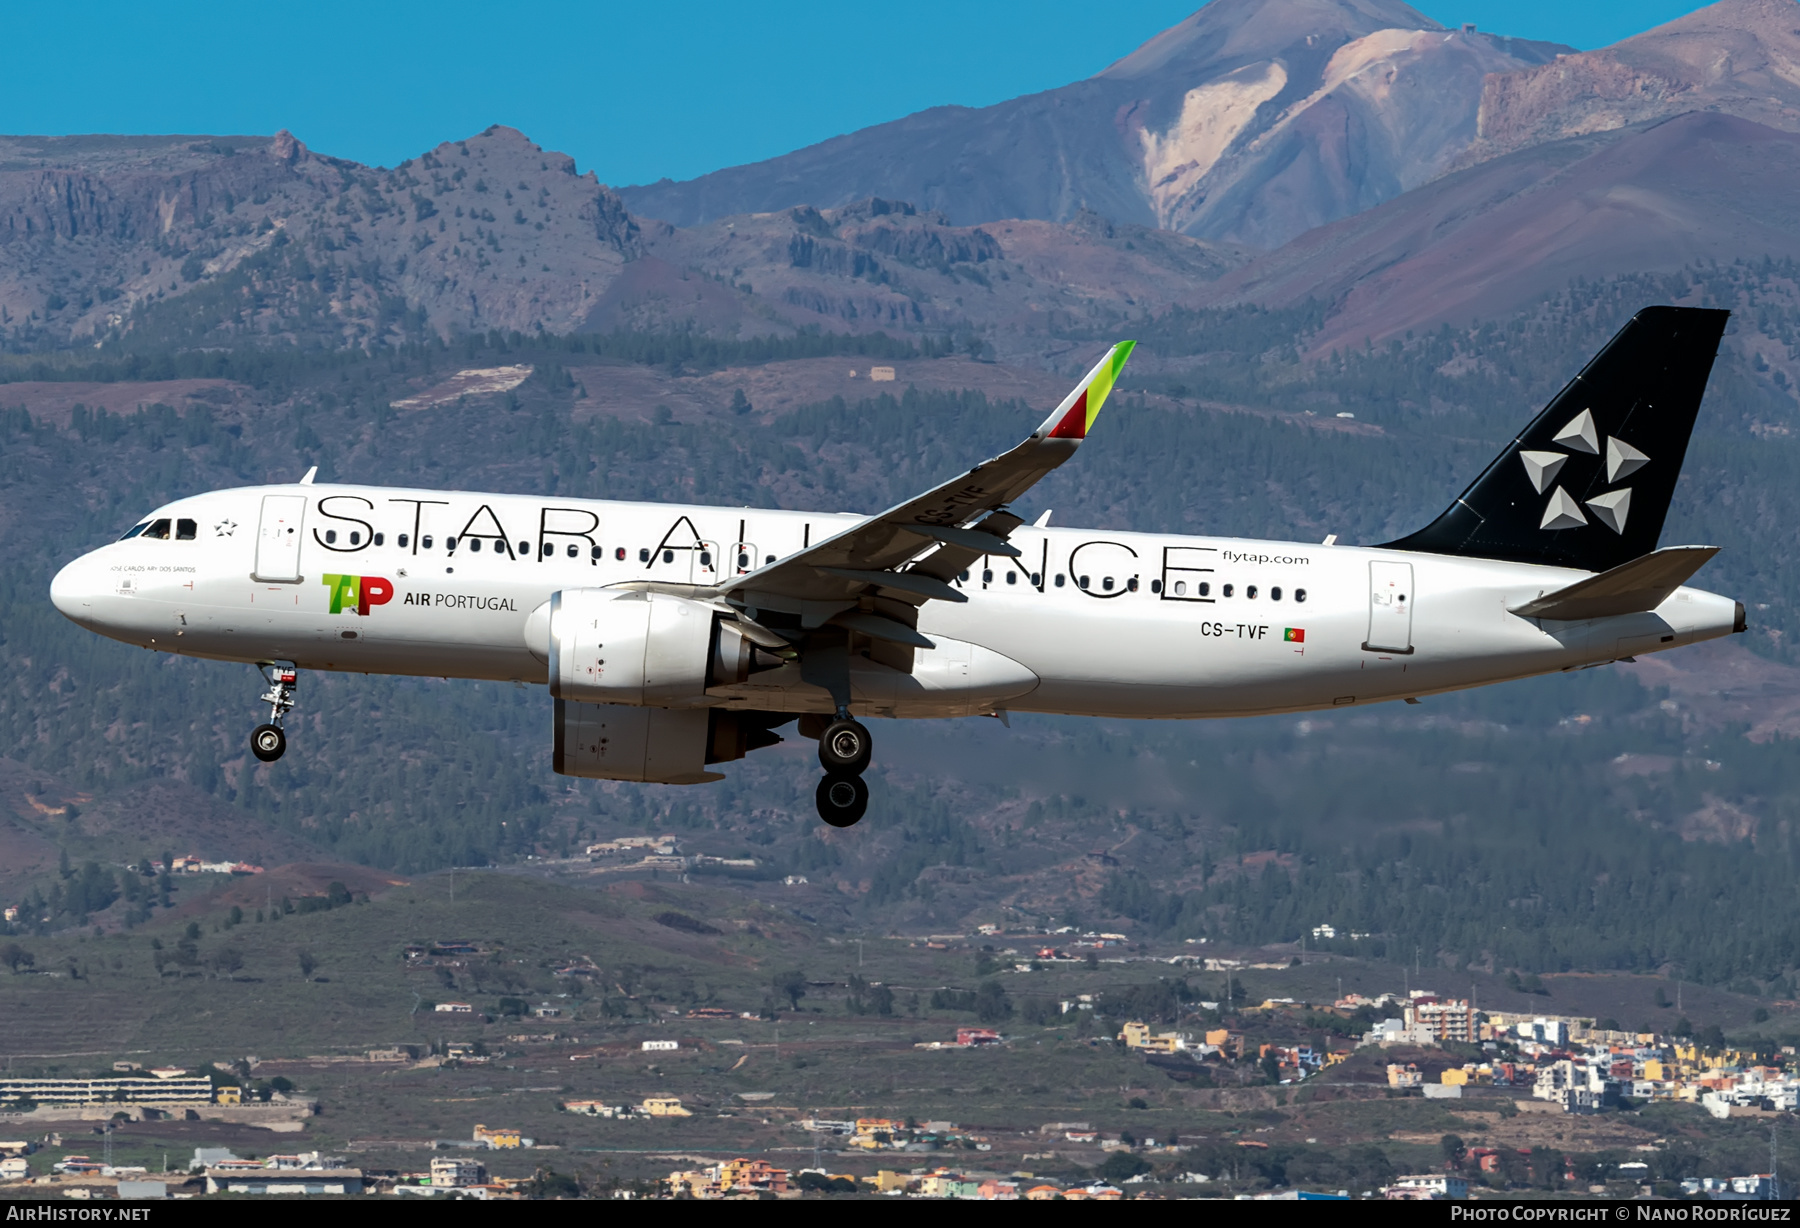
{"x":1085,"y":622}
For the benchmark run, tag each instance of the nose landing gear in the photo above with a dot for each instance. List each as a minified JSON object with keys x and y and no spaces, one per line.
{"x":267,"y":741}
{"x":844,"y":751}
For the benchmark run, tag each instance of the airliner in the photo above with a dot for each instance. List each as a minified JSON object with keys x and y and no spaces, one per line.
{"x":674,"y":638}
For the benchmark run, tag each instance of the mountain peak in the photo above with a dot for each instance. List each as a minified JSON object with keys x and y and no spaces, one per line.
{"x":1228,"y":33}
{"x":1248,"y":123}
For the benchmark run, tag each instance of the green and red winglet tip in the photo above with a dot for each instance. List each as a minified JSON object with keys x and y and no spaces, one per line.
{"x":1075,"y":416}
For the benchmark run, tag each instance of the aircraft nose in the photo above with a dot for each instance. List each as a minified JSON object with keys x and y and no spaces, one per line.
{"x":72,"y":591}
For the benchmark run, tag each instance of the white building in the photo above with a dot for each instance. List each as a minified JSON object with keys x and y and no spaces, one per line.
{"x":1433,"y":1186}
{"x":1552,"y":1032}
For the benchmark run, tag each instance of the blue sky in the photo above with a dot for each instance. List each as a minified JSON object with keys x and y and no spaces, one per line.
{"x":634,"y":92}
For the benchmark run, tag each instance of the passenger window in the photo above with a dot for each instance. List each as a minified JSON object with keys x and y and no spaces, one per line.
{"x":380,"y":539}
{"x":426,"y":541}
{"x":1275,"y":593}
{"x":331,"y":537}
{"x":524,"y":549}
{"x":643,"y":556}
{"x":135,"y":529}
{"x":1082,"y":582}
{"x":743,"y":560}
{"x":1250,"y":592}
{"x":1037,"y":579}
{"x":618,"y":553}
{"x":1012,"y":577}
{"x":1059,"y":579}
{"x":987,"y":575}
{"x":1180,"y":587}
{"x":1225,"y":590}
{"x":1203,"y":588}
{"x":355,"y":537}
{"x":474,"y":545}
{"x":1299,"y":594}
{"x":963,"y":576}
{"x":398,"y":541}
{"x":575,"y":551}
{"x":185,"y":530}
{"x":769,"y":558}
{"x":450,"y":544}
{"x":668,"y":556}
{"x":1106,"y":582}
{"x":705,"y":558}
{"x":595,"y":553}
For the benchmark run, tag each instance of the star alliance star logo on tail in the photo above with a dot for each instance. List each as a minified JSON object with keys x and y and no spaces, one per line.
{"x":358,"y":593}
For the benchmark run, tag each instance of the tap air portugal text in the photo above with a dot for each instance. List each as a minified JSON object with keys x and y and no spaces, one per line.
{"x":676,"y":637}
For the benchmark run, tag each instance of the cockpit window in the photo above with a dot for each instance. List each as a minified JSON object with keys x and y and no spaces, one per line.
{"x":135,"y":529}
{"x":184,"y":530}
{"x":158,"y":529}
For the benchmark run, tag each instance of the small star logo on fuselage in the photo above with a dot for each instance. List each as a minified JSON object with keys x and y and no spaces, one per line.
{"x":224,"y":528}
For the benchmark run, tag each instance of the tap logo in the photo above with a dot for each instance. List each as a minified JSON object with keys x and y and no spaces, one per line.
{"x":358,"y":593}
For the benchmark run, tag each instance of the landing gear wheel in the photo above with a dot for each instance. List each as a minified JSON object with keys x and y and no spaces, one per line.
{"x":844,"y":748}
{"x":842,"y":799}
{"x":268,"y":743}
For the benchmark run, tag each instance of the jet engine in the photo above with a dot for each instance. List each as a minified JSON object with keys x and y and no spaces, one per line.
{"x":671,"y":746}
{"x":644,"y":649}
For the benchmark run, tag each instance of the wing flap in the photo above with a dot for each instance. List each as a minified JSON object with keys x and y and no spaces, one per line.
{"x":1630,"y":588}
{"x":877,"y":627}
{"x":904,"y":581}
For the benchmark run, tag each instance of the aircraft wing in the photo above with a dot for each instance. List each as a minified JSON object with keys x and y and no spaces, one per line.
{"x":951,"y":525}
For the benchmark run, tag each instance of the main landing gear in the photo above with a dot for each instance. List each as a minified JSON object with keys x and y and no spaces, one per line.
{"x":844,"y":751}
{"x":267,"y":741}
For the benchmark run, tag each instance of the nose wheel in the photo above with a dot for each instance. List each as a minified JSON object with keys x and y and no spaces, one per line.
{"x":844,"y":751}
{"x":267,"y":741}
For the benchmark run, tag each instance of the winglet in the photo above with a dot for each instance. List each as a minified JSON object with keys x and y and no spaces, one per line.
{"x":1075,"y":416}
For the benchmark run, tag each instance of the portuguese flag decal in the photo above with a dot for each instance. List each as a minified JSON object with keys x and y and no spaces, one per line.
{"x":1295,"y":635}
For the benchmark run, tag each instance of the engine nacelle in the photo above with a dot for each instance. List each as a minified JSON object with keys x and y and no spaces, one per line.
{"x":669,"y":746}
{"x":609,"y":646}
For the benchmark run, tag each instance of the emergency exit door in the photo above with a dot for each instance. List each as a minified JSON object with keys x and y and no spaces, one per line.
{"x":278,"y":539}
{"x":1390,"y":608}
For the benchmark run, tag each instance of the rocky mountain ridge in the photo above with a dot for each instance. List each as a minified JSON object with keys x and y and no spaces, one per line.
{"x":1739,"y":57}
{"x":1411,"y":175}
{"x":94,"y":230}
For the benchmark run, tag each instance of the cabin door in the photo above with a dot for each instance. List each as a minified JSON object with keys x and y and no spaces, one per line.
{"x":278,"y":539}
{"x":1390,"y":608}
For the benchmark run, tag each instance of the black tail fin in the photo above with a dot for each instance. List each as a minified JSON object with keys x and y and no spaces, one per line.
{"x":1588,"y":483}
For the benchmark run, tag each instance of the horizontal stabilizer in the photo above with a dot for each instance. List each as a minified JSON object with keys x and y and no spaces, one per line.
{"x":1630,"y":588}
